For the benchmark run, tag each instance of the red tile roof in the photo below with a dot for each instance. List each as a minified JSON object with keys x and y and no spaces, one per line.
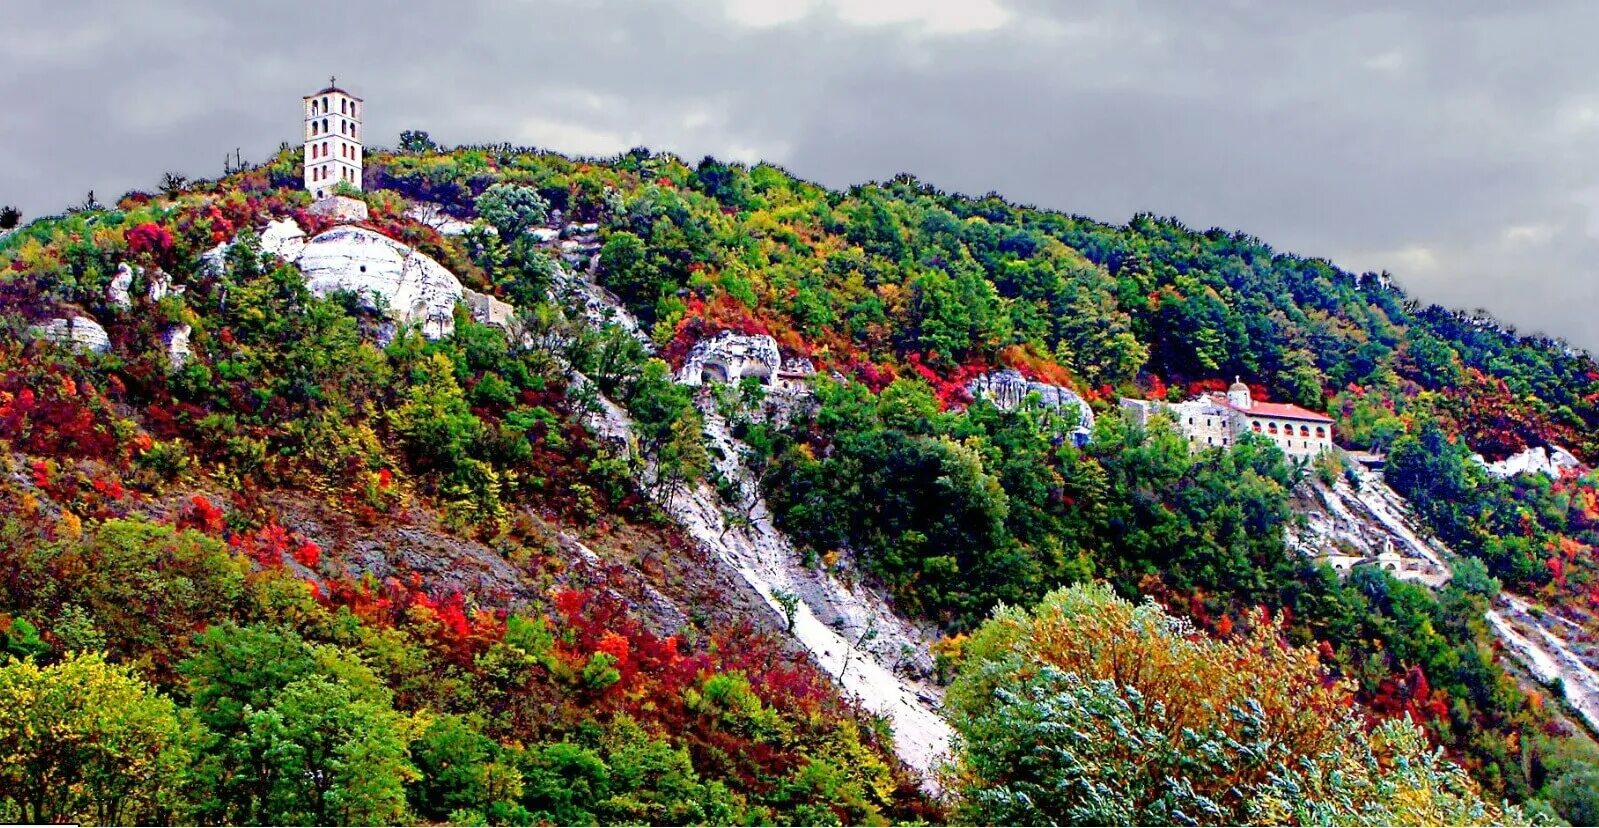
{"x":1287,"y":411}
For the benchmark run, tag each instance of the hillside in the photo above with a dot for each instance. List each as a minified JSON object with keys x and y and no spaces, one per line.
{"x":626,"y":490}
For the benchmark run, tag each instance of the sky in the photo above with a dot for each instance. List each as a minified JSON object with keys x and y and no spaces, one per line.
{"x":1453,"y":143}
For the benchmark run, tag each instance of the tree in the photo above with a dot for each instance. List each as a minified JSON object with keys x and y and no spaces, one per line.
{"x":461,"y":770}
{"x":1089,"y":709}
{"x":10,"y":217}
{"x":625,"y":268}
{"x":87,"y":741}
{"x":173,"y":183}
{"x":512,"y":209}
{"x":293,"y":733}
{"x":417,"y":142}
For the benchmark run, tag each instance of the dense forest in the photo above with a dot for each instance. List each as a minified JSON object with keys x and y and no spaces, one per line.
{"x":187,"y":595}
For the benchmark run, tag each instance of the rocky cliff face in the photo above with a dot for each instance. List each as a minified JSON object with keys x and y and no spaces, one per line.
{"x":1363,"y":522}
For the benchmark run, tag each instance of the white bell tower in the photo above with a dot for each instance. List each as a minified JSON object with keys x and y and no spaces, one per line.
{"x":332,"y":140}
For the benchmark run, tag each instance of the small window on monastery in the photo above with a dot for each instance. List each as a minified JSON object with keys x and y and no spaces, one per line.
{"x":1304,"y":431}
{"x":1321,"y":433}
{"x":1272,"y":428}
{"x":344,"y":106}
{"x":1255,"y":426}
{"x":324,"y":103}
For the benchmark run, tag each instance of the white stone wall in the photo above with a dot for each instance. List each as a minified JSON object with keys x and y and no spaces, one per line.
{"x":1297,"y":438}
{"x":1205,"y":424}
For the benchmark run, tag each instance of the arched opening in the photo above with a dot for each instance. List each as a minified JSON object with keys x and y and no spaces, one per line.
{"x":757,"y":369}
{"x":713,"y":372}
{"x":1255,"y":426}
{"x":324,"y":125}
{"x":1321,"y":433}
{"x":1304,"y":431}
{"x":1272,"y":429}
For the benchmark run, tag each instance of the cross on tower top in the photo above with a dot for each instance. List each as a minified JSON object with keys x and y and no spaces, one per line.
{"x":333,"y":81}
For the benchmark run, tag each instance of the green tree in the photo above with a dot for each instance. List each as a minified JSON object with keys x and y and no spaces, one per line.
{"x":417,"y":142}
{"x":626,"y":269}
{"x":294,"y":733}
{"x":87,"y":741}
{"x":512,"y":209}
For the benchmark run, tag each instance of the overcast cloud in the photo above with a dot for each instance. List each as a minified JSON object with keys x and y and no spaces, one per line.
{"x":1453,"y":143}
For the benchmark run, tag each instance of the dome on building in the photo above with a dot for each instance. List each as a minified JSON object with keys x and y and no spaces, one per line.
{"x":1238,"y":385}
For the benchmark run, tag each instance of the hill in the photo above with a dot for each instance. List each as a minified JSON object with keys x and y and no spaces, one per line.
{"x":508,"y":487}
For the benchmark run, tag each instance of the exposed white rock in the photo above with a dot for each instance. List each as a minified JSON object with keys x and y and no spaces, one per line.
{"x":487,"y":310}
{"x":1368,"y":523}
{"x":545,"y":234}
{"x":120,"y":292}
{"x":433,"y":215}
{"x":176,"y":338}
{"x":849,"y":630}
{"x":1008,"y":388}
{"x":160,"y":286}
{"x":1552,"y":462}
{"x":79,"y":332}
{"x":282,"y":238}
{"x":410,"y":286}
{"x":729,"y":357}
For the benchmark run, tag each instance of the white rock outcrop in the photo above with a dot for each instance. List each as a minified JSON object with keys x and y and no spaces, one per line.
{"x":1007,"y":388}
{"x":1552,"y":462}
{"x":78,"y":332}
{"x":487,"y":310}
{"x":120,"y":292}
{"x":282,"y":238}
{"x":176,"y":338}
{"x":410,"y":286}
{"x":433,"y":215}
{"x":729,"y":357}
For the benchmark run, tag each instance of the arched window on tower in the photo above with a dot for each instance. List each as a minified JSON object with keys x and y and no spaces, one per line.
{"x":324,"y":125}
{"x":324,"y":103}
{"x":344,"y":107}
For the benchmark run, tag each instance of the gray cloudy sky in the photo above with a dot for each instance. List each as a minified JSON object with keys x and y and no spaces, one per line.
{"x":1452,"y":142}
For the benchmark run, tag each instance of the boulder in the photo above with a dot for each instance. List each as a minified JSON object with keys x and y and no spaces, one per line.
{"x":729,"y":357}
{"x":1551,"y":462}
{"x":78,"y":332}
